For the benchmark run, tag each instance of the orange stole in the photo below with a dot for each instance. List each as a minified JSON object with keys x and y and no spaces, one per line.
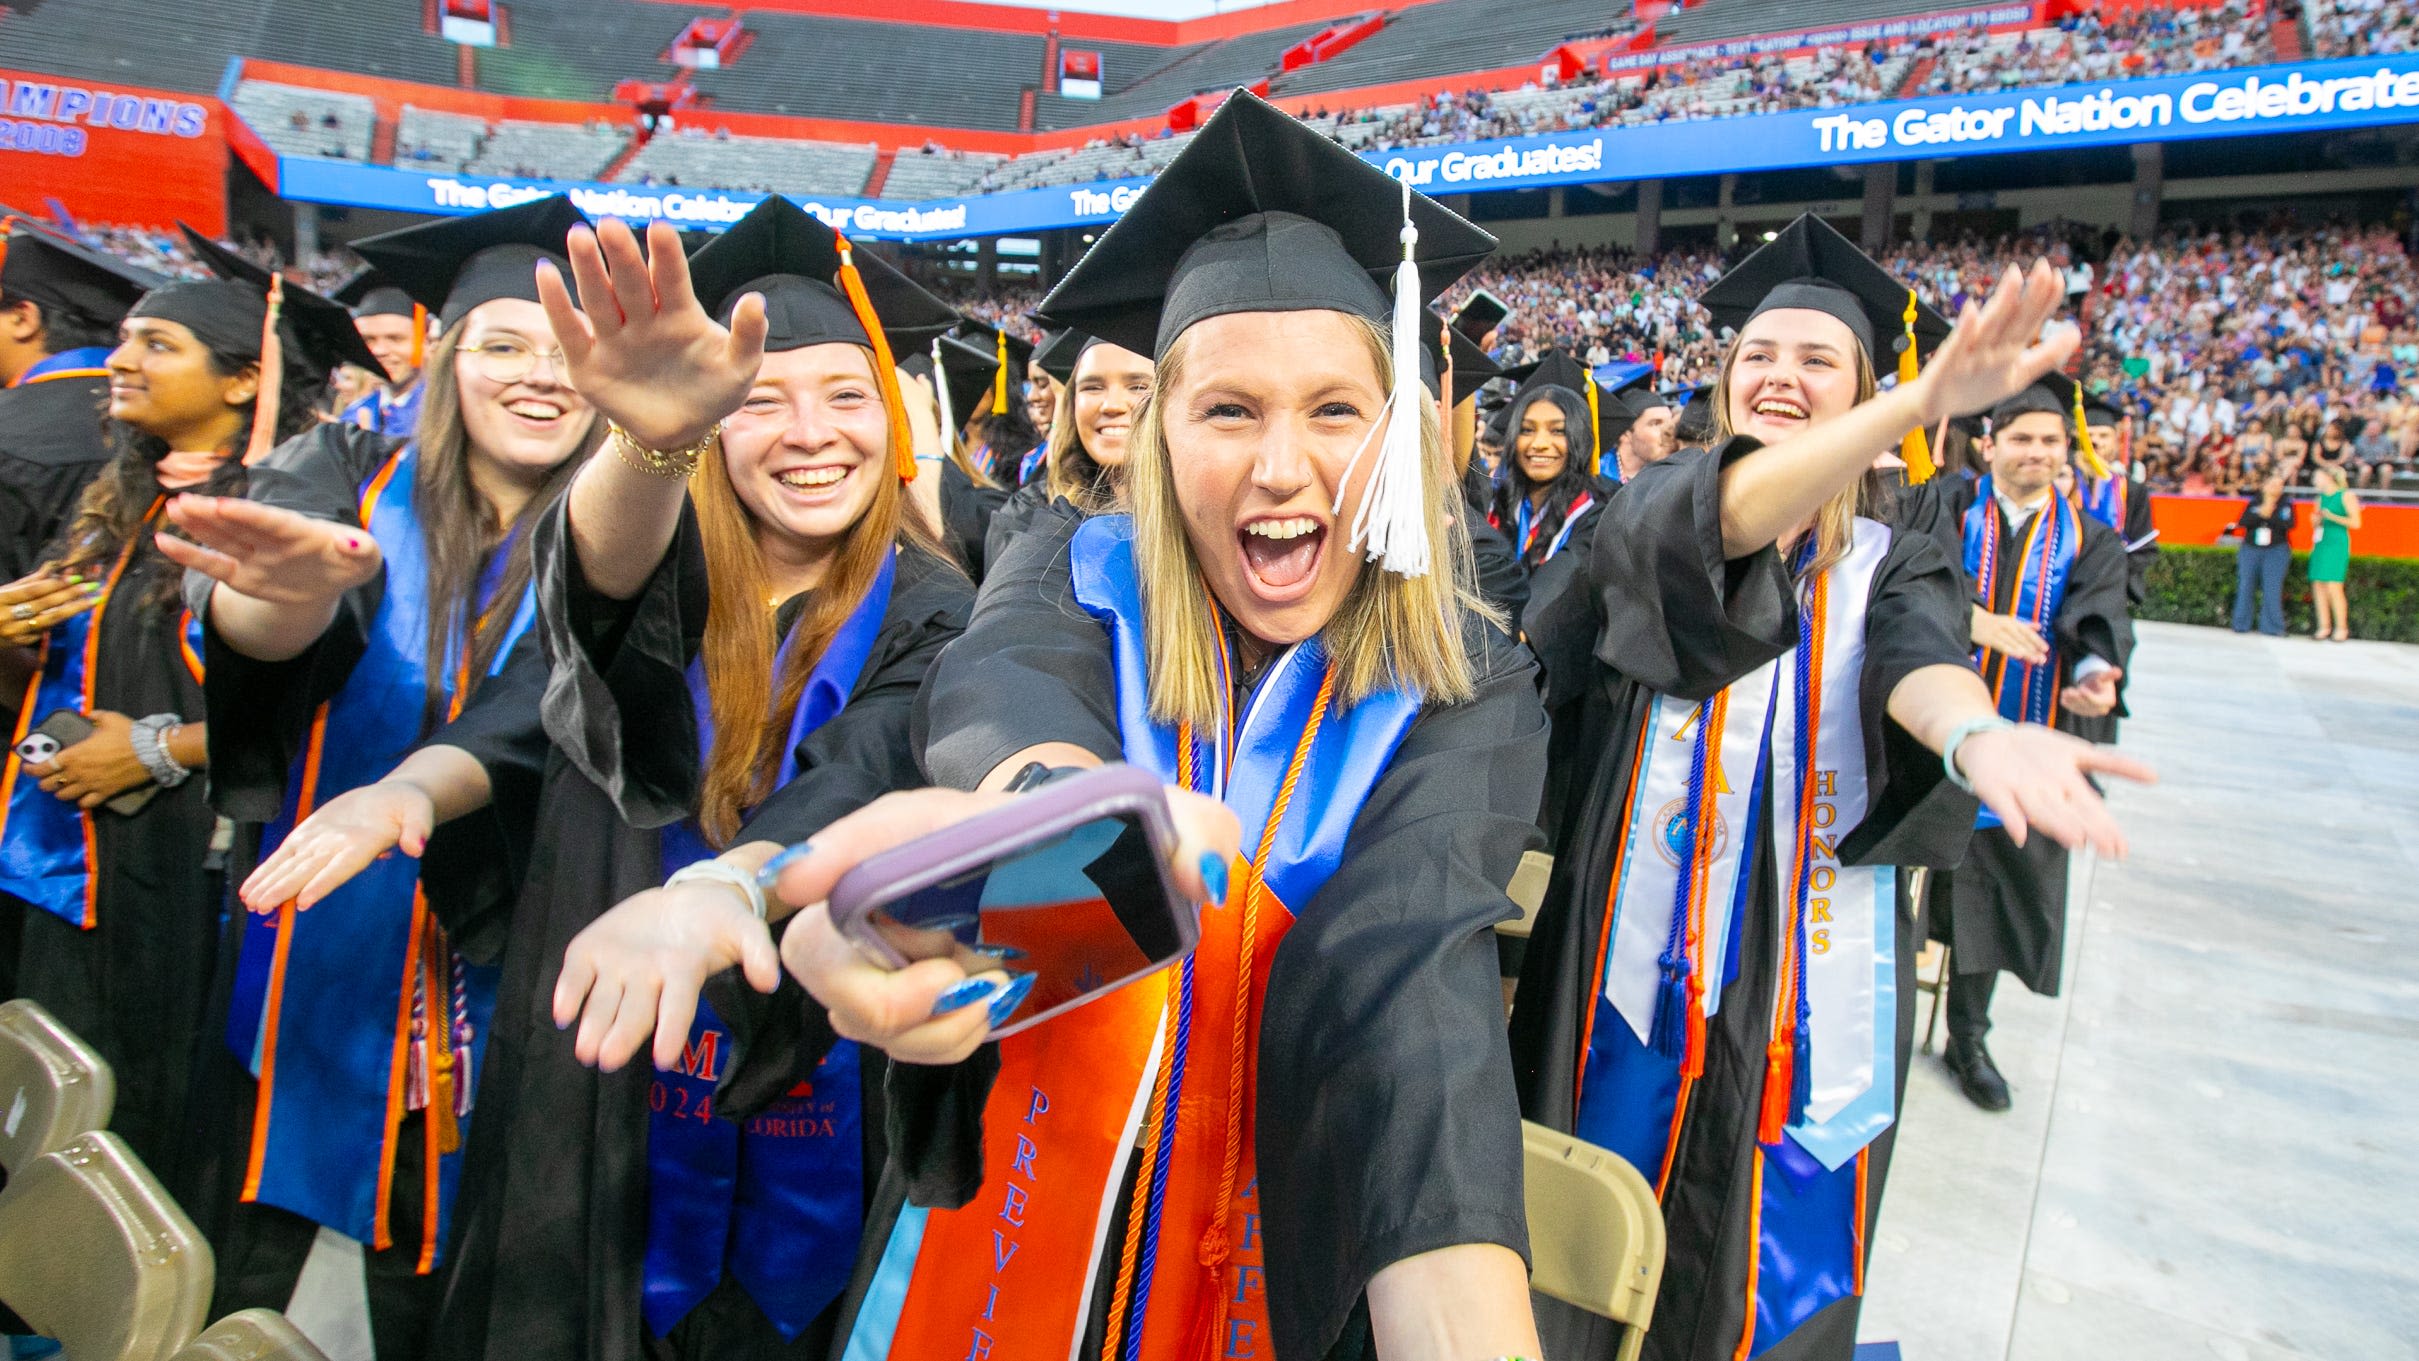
{"x":1009,"y":1277}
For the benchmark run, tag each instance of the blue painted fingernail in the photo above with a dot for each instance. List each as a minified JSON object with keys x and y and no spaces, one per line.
{"x":1002,"y":953}
{"x":786,"y":858}
{"x":1213,"y":877}
{"x":1011,"y":997}
{"x":961,"y":995}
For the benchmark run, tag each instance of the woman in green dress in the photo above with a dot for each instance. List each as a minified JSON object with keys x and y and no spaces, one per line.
{"x":2331,"y":552}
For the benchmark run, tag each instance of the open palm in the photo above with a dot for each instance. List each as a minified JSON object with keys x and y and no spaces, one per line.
{"x":1996,"y":350}
{"x":644,"y":351}
{"x":268,"y":553}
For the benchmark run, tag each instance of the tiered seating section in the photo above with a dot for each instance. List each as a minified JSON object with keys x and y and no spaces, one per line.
{"x":881,"y":72}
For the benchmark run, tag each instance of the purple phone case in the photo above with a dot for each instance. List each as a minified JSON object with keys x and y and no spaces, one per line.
{"x":1048,"y":812}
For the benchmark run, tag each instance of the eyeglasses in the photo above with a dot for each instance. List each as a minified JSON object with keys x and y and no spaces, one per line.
{"x":510,"y":361}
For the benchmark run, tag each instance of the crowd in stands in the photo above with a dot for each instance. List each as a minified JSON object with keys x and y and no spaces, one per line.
{"x":2093,"y":46}
{"x":2359,"y":28}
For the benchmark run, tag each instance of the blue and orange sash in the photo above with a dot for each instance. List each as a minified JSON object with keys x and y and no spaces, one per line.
{"x":379,"y":413}
{"x":1682,"y":881}
{"x":2025,"y":692}
{"x":46,"y":844}
{"x":90,"y":361}
{"x":1163,"y":1068}
{"x":2104,"y":498}
{"x":1526,"y":524}
{"x":1032,"y":462}
{"x":348,"y":1012}
{"x":780,"y":1202}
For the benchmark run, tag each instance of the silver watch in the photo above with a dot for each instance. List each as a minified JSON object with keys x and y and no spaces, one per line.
{"x":149,"y":738}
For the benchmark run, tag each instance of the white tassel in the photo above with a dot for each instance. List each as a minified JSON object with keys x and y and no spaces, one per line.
{"x":1393,"y":519}
{"x":940,"y":384}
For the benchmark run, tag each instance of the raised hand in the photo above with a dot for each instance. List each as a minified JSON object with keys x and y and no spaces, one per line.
{"x":637,"y":970}
{"x":340,"y":840}
{"x":1997,"y":349}
{"x":644,"y":352}
{"x":33,"y":605}
{"x":2033,"y":778}
{"x":279,"y":557}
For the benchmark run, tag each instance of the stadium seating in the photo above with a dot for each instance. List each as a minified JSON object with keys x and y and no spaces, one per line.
{"x":428,"y":137}
{"x":574,"y":151}
{"x":1455,"y":35}
{"x":160,"y":43}
{"x":578,"y":49}
{"x":378,"y":39}
{"x":302,"y":122}
{"x":764,"y":164}
{"x":937,"y":174}
{"x":848,"y":68}
{"x":1242,"y":60}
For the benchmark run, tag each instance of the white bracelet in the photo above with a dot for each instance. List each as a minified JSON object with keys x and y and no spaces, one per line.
{"x":716,"y":872}
{"x":1957,"y":737}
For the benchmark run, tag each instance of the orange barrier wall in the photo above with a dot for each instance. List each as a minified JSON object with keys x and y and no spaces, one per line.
{"x":112,"y":153}
{"x":1072,"y":25}
{"x":2386,"y":531}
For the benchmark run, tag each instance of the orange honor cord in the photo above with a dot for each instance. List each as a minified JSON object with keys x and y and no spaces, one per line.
{"x":1780,"y":1053}
{"x":1913,"y":449}
{"x":1121,"y":1295}
{"x":271,"y":389}
{"x":419,"y":336}
{"x":1715,"y":717}
{"x":92,"y":667}
{"x":1755,"y":1250}
{"x":886,"y":372}
{"x":1858,"y":1228}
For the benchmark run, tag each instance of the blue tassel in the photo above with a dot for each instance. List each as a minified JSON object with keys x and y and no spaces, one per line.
{"x":1671,"y":1008}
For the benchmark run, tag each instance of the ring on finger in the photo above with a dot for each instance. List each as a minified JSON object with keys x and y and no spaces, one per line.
{"x":21,"y":611}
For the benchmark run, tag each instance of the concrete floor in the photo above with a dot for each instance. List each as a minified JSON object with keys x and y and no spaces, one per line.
{"x":2208,"y":1156}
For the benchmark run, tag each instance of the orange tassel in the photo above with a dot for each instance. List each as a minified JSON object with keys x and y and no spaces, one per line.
{"x":1780,"y":1071}
{"x":886,"y":372}
{"x":419,"y":337}
{"x":272,"y":378}
{"x":8,"y":228}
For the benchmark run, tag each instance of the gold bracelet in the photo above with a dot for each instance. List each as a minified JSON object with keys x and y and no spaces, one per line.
{"x":660,"y":462}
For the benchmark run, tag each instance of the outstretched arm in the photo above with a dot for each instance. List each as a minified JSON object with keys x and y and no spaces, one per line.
{"x":281,"y":574}
{"x":2033,"y":777}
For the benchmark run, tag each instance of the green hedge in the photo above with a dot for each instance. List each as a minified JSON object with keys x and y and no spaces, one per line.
{"x":2193,"y":585}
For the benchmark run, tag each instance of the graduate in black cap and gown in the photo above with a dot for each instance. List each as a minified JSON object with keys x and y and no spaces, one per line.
{"x":1083,"y":469}
{"x":1648,"y":429}
{"x":2052,"y":638}
{"x":395,"y":328}
{"x":360,"y":594}
{"x":999,"y":428}
{"x":60,"y":305}
{"x":105,"y":837}
{"x":1774,"y":707}
{"x":1550,"y":484}
{"x":1462,"y":368}
{"x":1324,"y":1150}
{"x":2117,"y":493}
{"x":739,"y":601}
{"x":969,"y":498}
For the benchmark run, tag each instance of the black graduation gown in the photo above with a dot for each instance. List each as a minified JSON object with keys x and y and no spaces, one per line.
{"x":966,"y":512}
{"x":1386,"y":1125}
{"x":52,"y":444}
{"x":1502,"y":580}
{"x":1659,"y":610}
{"x":2004,"y":908}
{"x":136,"y":985}
{"x":1029,"y":507}
{"x":2140,"y":545}
{"x":551,"y":1228}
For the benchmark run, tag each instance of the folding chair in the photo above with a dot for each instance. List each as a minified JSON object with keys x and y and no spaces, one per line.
{"x":1595,"y":1231}
{"x":1936,"y":982}
{"x":1527,"y":892}
{"x":253,"y":1335}
{"x":52,"y":1086}
{"x":95,"y":1254}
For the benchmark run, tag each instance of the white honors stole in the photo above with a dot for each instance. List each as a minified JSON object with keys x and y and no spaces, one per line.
{"x":1796,"y":724}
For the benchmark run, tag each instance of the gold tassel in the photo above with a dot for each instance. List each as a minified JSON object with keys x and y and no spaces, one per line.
{"x":1595,"y":430}
{"x":1914,"y":450}
{"x":271,"y":389}
{"x":886,"y":372}
{"x":999,"y":381}
{"x":2091,"y":456}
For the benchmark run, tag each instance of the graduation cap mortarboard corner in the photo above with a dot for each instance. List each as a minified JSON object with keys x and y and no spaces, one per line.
{"x":55,"y":272}
{"x":1259,"y":213}
{"x":1010,"y":353}
{"x":1808,"y":264}
{"x":818,"y":290}
{"x":453,"y":265}
{"x":1558,"y":369}
{"x":1059,"y":352}
{"x":966,"y":373}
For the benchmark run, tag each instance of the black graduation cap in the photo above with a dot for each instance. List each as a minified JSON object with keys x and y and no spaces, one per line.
{"x":226,"y":312}
{"x":1517,"y":374}
{"x":1613,"y":420}
{"x":1559,"y":371}
{"x":1060,"y":350}
{"x":1696,"y":423}
{"x":985,"y":336}
{"x":2052,"y":393}
{"x":453,"y":265}
{"x":1810,"y":265}
{"x":1637,"y":395}
{"x":71,"y":277}
{"x":1472,"y":366}
{"x":788,"y":255}
{"x":368,"y":294}
{"x":1258,"y":213}
{"x":970,"y":373}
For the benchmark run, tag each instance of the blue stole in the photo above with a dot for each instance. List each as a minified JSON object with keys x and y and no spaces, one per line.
{"x":1525,"y":526}
{"x":2104,"y":498}
{"x":780,"y":1203}
{"x":46,"y":843}
{"x":1032,"y":462}
{"x":90,"y":361}
{"x":2025,"y":693}
{"x":325,"y":1000}
{"x":396,"y":416}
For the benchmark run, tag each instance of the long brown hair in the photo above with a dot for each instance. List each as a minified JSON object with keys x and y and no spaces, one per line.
{"x":459,"y":530}
{"x":1835,"y":523}
{"x":1074,"y":475}
{"x":741,"y":653}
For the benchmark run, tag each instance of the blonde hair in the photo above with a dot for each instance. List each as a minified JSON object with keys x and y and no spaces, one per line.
{"x":1835,"y":523}
{"x":1390,"y":630}
{"x":1073,"y":474}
